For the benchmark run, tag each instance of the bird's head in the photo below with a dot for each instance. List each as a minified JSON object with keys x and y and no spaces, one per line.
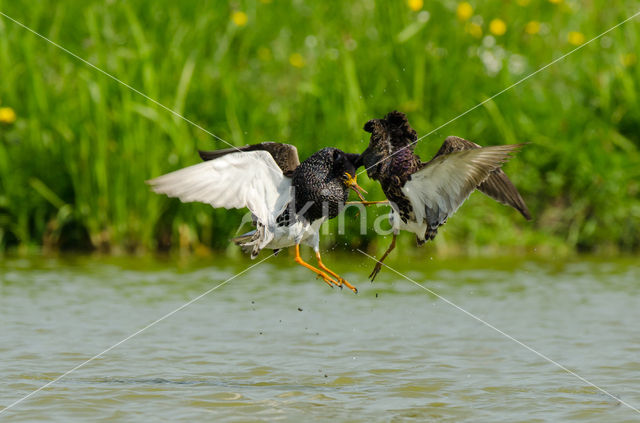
{"x":378,"y":150}
{"x":389,"y":134}
{"x":346,"y":164}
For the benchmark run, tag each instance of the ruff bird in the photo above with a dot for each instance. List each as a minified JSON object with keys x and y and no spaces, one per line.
{"x":288,"y":200}
{"x":424,"y":195}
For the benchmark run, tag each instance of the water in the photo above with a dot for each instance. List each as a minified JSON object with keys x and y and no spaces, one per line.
{"x":277,"y":345}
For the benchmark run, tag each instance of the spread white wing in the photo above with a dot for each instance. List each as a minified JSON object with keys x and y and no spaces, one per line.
{"x":437,"y":190}
{"x":236,"y":180}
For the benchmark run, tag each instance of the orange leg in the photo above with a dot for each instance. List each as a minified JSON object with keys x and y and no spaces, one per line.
{"x":376,"y":269}
{"x":340,"y":279}
{"x":318,"y":272}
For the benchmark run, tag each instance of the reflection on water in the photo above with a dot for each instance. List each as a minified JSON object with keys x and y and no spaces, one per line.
{"x":275,"y":344}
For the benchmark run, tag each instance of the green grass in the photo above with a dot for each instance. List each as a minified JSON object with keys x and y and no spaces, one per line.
{"x":73,"y":165}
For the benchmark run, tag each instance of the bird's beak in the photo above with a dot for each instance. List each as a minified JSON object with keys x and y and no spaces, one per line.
{"x":353,"y":184}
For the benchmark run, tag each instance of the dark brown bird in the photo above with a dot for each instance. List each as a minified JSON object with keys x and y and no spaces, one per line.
{"x":424,"y":195}
{"x":288,"y":200}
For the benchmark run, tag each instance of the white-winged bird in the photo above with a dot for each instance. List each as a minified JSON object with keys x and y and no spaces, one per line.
{"x":424,"y":195}
{"x":288,"y":200}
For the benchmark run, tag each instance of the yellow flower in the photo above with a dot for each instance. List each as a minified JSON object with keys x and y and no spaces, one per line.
{"x":474,"y":29}
{"x":576,"y":38}
{"x":497,"y":27}
{"x":415,"y":5}
{"x":7,"y":115}
{"x":296,"y":60}
{"x":532,"y":27}
{"x":555,"y":1}
{"x":239,"y":18}
{"x":464,"y":11}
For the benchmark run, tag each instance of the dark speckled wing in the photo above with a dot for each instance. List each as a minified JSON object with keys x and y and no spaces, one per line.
{"x":497,"y":186}
{"x":285,"y":155}
{"x":390,"y":159}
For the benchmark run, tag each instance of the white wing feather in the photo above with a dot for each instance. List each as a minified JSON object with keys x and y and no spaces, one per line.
{"x":439,"y":189}
{"x":236,"y":180}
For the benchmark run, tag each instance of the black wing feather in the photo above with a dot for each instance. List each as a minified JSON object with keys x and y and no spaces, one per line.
{"x":285,"y":155}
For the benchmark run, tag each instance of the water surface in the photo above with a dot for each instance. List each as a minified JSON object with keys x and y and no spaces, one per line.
{"x":277,"y":345}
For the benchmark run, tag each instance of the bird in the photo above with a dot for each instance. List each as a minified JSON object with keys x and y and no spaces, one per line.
{"x":288,"y":200}
{"x":424,"y":195}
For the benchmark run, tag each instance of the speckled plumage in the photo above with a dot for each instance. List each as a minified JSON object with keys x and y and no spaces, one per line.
{"x":424,"y":195}
{"x":318,"y":183}
{"x":288,"y":200}
{"x":390,"y":159}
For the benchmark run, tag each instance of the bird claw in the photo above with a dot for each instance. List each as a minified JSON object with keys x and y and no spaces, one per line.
{"x":375,"y":271}
{"x":343,"y":282}
{"x":340,"y":283}
{"x":329,"y":280}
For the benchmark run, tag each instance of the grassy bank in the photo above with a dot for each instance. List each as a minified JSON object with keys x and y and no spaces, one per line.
{"x":74,"y":158}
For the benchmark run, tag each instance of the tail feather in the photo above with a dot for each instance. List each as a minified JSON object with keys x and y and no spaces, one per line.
{"x":429,"y":235}
{"x":241,"y":239}
{"x":250,"y":242}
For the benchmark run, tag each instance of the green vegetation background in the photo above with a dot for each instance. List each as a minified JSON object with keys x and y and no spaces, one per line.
{"x":74,"y":161}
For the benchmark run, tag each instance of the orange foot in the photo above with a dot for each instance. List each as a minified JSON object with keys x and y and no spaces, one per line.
{"x":329,"y":281}
{"x":342,"y":282}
